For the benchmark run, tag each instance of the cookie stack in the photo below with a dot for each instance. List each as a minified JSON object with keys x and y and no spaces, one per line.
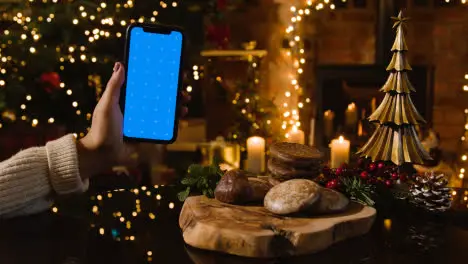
{"x":294,"y":161}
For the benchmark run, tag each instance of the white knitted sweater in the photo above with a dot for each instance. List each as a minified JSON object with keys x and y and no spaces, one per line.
{"x":29,"y":179}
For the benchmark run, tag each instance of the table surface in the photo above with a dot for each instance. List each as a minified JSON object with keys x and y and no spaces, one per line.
{"x":141,"y":226}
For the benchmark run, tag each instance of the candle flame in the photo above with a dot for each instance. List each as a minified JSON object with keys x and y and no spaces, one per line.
{"x":351,"y":106}
{"x":341,"y":139}
{"x":294,"y":129}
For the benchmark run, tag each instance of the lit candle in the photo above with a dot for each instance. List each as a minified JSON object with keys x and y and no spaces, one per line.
{"x":339,"y":152}
{"x":312,"y":132}
{"x":328,"y":117}
{"x":296,"y":136}
{"x":255,"y":154}
{"x":351,"y":115}
{"x":373,"y":104}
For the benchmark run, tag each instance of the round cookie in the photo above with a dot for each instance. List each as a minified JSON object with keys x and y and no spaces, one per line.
{"x":330,"y":202}
{"x":260,"y":188}
{"x":294,"y":154}
{"x":285,"y":171}
{"x":292,"y":196}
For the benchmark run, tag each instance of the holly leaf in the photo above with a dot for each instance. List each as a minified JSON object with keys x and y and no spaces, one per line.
{"x":189,"y":180}
{"x":196,"y":170}
{"x":184,"y":194}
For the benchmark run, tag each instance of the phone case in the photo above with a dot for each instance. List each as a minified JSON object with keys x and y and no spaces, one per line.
{"x":158,"y":28}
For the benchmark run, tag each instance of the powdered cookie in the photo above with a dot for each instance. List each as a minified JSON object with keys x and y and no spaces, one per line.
{"x":330,"y":202}
{"x":292,"y":196}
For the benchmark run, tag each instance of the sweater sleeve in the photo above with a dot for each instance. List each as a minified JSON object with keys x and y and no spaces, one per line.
{"x":28,"y":179}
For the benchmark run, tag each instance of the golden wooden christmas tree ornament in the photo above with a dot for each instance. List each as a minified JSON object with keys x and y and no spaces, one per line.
{"x":396,"y":139}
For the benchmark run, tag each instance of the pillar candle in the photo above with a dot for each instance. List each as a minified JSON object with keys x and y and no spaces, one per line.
{"x":312,"y":132}
{"x":339,"y":152}
{"x":328,"y":118}
{"x":255,"y":154}
{"x":351,"y":116}
{"x":373,"y":104}
{"x":296,"y":136}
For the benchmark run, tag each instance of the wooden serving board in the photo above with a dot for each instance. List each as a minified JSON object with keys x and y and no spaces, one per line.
{"x":252,"y":231}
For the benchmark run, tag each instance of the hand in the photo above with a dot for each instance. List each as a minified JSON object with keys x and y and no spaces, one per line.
{"x":103,"y":146}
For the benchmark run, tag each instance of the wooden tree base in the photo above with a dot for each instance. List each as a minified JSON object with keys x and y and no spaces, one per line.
{"x":252,"y":231}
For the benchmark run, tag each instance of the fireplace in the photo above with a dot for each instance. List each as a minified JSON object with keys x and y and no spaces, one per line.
{"x":337,"y":86}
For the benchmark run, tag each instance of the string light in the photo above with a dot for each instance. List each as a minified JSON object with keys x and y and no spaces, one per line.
{"x":296,"y":53}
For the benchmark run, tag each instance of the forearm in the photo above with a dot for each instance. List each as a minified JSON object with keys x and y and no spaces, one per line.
{"x":28,"y":179}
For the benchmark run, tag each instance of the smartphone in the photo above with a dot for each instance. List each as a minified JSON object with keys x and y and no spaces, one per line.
{"x":150,"y":96}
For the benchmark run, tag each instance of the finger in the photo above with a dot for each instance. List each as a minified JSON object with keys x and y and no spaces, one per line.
{"x":112,"y":92}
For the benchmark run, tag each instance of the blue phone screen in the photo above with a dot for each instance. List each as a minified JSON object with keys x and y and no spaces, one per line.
{"x":152,"y":84}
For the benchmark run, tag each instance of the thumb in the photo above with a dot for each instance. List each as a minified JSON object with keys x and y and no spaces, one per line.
{"x":112,"y":92}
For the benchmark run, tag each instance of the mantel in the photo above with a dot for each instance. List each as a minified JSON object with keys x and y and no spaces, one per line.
{"x":234,"y":53}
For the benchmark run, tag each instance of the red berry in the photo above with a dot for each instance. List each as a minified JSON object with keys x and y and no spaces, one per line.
{"x":389,"y":183}
{"x":339,"y":171}
{"x":332,"y":184}
{"x":364,"y":175}
{"x":361,"y":163}
{"x":402,"y":178}
{"x":372,"y":166}
{"x":395,"y":176}
{"x":381,"y":165}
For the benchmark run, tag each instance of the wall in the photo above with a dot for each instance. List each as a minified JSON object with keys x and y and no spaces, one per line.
{"x":436,"y":36}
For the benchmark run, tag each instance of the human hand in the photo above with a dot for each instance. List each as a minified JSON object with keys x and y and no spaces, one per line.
{"x":103,"y":146}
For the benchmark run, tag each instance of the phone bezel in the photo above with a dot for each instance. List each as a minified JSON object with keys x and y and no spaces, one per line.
{"x":157,"y":28}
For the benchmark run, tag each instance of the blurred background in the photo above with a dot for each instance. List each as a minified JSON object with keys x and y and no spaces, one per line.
{"x":299,"y":71}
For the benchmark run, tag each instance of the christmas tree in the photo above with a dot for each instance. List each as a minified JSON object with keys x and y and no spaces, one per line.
{"x":254,"y":115}
{"x":395,"y":138}
{"x":56,"y":55}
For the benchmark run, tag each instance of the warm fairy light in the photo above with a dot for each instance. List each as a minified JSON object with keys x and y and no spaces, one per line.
{"x":151,"y":216}
{"x":95,"y":209}
{"x":54,"y":209}
{"x":454,"y":193}
{"x":189,"y":88}
{"x":461,"y":175}
{"x":34,"y":122}
{"x":464,"y":158}
{"x":51,"y":120}
{"x":101,"y":231}
{"x":462,"y":170}
{"x":32,"y":50}
{"x":69,"y":92}
{"x":99,"y":197}
{"x":171,"y":205}
{"x":75,"y":104}
{"x":388,"y":224}
{"x":158,"y":197}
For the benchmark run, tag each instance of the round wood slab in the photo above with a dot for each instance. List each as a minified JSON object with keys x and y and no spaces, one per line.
{"x":252,"y":231}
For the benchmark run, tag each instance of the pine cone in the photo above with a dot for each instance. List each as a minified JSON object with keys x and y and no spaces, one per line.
{"x":430,"y":192}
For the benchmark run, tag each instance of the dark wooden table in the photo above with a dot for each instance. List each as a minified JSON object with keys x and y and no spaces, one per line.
{"x":102,"y":228}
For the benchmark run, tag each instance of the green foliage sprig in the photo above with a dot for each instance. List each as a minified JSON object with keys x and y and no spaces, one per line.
{"x":358,"y":191}
{"x":201,"y":180}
